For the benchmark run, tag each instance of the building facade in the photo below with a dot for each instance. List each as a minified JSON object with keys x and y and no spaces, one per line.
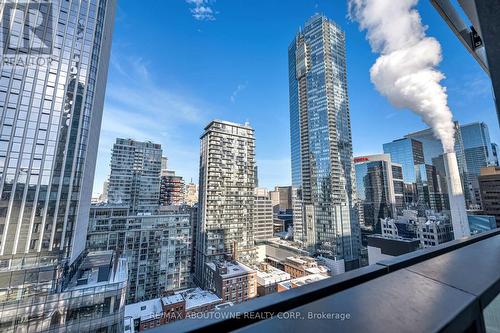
{"x":263,"y":215}
{"x":375,"y":189}
{"x":49,"y":129}
{"x":232,"y":281}
{"x":172,"y":189}
{"x":489,"y":184}
{"x":321,"y":142}
{"x":158,"y":247}
{"x":478,"y":152}
{"x":226,"y":200}
{"x":135,"y":175}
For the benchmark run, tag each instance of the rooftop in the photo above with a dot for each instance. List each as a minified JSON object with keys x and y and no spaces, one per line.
{"x":232,"y":268}
{"x":144,"y":310}
{"x":196,"y":297}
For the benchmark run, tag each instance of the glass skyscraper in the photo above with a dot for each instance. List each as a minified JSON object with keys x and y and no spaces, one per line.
{"x":51,"y":115}
{"x":321,"y":140}
{"x":407,"y":152}
{"x":478,"y":152}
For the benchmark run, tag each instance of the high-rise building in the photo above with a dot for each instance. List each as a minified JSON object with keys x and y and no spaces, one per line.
{"x":172,"y":189}
{"x":422,"y":186}
{"x":496,"y":150}
{"x":375,"y":189}
{"x":478,"y":152}
{"x":321,"y":142}
{"x":489,"y":184}
{"x":263,"y":215}
{"x":407,"y":152}
{"x":226,"y":200}
{"x":135,"y":175}
{"x":164,"y":164}
{"x":157,"y":247}
{"x":105,"y":190}
{"x":433,"y":151}
{"x":49,"y":129}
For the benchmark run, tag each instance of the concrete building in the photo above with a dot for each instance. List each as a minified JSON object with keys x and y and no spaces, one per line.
{"x":299,"y":282}
{"x":226,"y":206}
{"x":232,"y":281}
{"x":489,"y":184}
{"x":49,"y":133}
{"x":158,"y":247}
{"x":268,"y":278}
{"x":172,"y":189}
{"x":263,"y":215}
{"x":321,"y":142}
{"x":135,"y":175}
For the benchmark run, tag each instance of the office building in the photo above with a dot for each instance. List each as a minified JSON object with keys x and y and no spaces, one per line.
{"x":478,"y":152}
{"x":103,"y":197}
{"x":481,"y":223}
{"x":231,"y":280}
{"x":51,"y":120}
{"x":172,"y":189}
{"x":226,"y":205}
{"x":375,"y":189}
{"x":496,"y":151}
{"x":321,"y":142}
{"x":422,"y":186}
{"x":263,"y":215}
{"x":158,"y":247}
{"x":135,"y":175}
{"x":433,"y":155}
{"x":489,"y":184}
{"x":164,"y":165}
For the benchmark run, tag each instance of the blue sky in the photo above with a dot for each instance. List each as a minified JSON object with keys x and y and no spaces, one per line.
{"x":176,"y":65}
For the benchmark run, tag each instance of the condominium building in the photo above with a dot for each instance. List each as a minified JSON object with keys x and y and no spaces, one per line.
{"x":172,"y":189}
{"x":135,"y":175}
{"x":49,"y":130}
{"x":226,"y":206}
{"x":263,"y":215}
{"x":191,"y":194}
{"x":158,"y":247}
{"x":321,"y":141}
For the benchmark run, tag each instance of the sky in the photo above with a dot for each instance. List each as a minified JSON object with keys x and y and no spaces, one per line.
{"x":178,"y":64}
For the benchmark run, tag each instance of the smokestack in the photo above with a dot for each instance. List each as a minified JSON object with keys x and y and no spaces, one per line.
{"x":457,"y":201}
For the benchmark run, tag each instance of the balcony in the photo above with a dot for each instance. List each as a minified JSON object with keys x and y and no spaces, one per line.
{"x":452,"y":287}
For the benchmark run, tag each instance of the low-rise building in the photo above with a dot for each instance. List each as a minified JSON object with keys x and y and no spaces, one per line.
{"x":231,"y":280}
{"x":301,"y":281}
{"x":268,"y":278}
{"x":383,"y":247}
{"x":172,"y":307}
{"x":302,"y":266}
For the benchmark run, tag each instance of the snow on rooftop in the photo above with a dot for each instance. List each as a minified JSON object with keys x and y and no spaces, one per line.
{"x":172,"y":299}
{"x":196,"y":297}
{"x":144,"y":310}
{"x":234,"y":268}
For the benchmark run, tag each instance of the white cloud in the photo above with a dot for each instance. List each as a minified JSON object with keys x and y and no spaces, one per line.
{"x":202,"y":11}
{"x":239,"y":88}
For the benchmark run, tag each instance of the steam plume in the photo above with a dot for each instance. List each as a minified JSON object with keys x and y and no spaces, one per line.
{"x":406,"y":70}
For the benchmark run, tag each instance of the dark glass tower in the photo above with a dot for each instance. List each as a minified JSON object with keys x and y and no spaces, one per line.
{"x":321,"y":136}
